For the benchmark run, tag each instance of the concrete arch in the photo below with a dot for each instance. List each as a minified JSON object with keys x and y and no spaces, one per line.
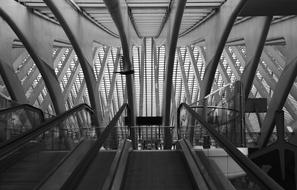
{"x":12,"y":83}
{"x":19,"y":23}
{"x":75,"y":26}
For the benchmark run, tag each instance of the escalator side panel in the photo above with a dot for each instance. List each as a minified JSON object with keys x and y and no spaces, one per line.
{"x":157,"y":170}
{"x":215,"y":172}
{"x":97,"y":171}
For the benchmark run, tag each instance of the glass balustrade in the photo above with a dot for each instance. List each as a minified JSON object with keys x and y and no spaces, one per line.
{"x":66,"y":133}
{"x":217,"y":140}
{"x":17,"y":120}
{"x":223,"y":109}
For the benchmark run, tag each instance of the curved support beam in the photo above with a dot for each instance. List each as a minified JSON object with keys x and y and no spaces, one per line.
{"x":202,"y":54}
{"x":33,"y":27}
{"x":278,"y":100}
{"x":27,"y":27}
{"x":255,"y":41}
{"x":12,"y":83}
{"x":173,"y":31}
{"x":276,"y":71}
{"x":216,"y":40}
{"x":81,"y":34}
{"x":215,"y":25}
{"x":287,"y":78}
{"x":7,"y":56}
{"x":117,"y":11}
{"x":37,"y":90}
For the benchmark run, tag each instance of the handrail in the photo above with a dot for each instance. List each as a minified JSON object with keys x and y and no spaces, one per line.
{"x":23,"y":106}
{"x":251,"y":168}
{"x":91,"y":154}
{"x":120,"y":171}
{"x":109,"y":127}
{"x":198,"y":178}
{"x":117,"y":169}
{"x":214,"y":181}
{"x":12,"y":144}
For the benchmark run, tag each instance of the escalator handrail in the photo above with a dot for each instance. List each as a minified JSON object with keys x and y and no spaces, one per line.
{"x":103,"y":136}
{"x":13,"y":144}
{"x":198,"y":177}
{"x":81,"y":168}
{"x":114,"y":178}
{"x":213,"y":181}
{"x":246,"y":164}
{"x":23,"y":106}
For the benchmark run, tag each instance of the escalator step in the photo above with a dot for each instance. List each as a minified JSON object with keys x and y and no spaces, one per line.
{"x":157,"y":170}
{"x":97,"y":171}
{"x":29,"y":171}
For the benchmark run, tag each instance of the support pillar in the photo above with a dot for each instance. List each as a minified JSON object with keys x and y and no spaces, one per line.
{"x":176,"y":17}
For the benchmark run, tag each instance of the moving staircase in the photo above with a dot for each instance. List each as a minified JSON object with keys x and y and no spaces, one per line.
{"x":68,"y":152}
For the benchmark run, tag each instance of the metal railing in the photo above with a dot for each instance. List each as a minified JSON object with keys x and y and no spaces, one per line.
{"x":146,"y":136}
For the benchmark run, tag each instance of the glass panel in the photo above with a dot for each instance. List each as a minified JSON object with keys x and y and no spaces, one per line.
{"x":223,"y":110}
{"x":203,"y":141}
{"x":46,"y":149}
{"x":68,"y":132}
{"x":16,"y":121}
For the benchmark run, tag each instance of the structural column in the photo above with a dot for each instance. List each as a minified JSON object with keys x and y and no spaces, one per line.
{"x":173,"y":30}
{"x":215,"y":42}
{"x":285,"y":81}
{"x":255,"y":41}
{"x":119,"y":14}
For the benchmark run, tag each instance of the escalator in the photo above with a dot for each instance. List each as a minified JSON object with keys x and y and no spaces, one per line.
{"x":144,"y":170}
{"x":125,"y":168}
{"x":157,"y":170}
{"x":28,"y":159}
{"x":97,"y":171}
{"x":148,"y":169}
{"x":68,"y":153}
{"x":30,"y":170}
